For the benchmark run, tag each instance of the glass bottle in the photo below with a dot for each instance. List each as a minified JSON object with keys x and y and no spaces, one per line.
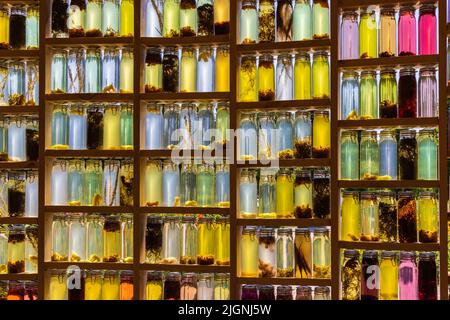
{"x":350,"y":216}
{"x":427,"y":276}
{"x":303,"y":253}
{"x":92,"y":183}
{"x":248,"y":81}
{"x":17,"y":141}
{"x":127,"y":18}
{"x":407,"y":217}
{"x":408,"y":277}
{"x":222,"y":241}
{"x":31,"y":194}
{"x":321,"y":19}
{"x":221,"y":286}
{"x":171,"y":19}
{"x":170,"y":184}
{"x":77,"y":238}
{"x":112,"y":239}
{"x":266,"y":21}
{"x":302,"y":76}
{"x":75,"y":70}
{"x":58,"y":285}
{"x":111,"y":285}
{"x":75,"y":182}
{"x":94,"y":238}
{"x":76,"y":21}
{"x":303,"y":194}
{"x":171,"y":123}
{"x":111,"y":127}
{"x":188,"y":288}
{"x":321,"y":254}
{"x":302,"y":135}
{"x":428,"y":216}
{"x":388,"y":94}
{"x":249,"y":252}
{"x":94,"y":17}
{"x":349,"y":155}
{"x":285,"y":253}
{"x":127,"y":71}
{"x":367,"y":34}
{"x":301,"y":21}
{"x":126,"y":182}
{"x":248,"y":22}
{"x":188,"y":190}
{"x":170,"y":68}
{"x":60,"y":238}
{"x":369,"y":284}
{"x":221,"y":17}
{"x":407,"y":155}
{"x":284,"y":194}
{"x":388,"y":32}
{"x":205,"y":243}
{"x":266,"y":78}
{"x":407,"y":31}
{"x":153,"y":127}
{"x":428,"y":104}
{"x":222,"y":69}
{"x":267,"y":194}
{"x":16,"y":249}
{"x":32,"y":138}
{"x":188,"y":70}
{"x":205,"y":16}
{"x":4,"y":26}
{"x":387,"y":216}
{"x":77,"y":128}
{"x":126,"y":285}
{"x":171,"y":240}
{"x":154,"y":286}
{"x":111,"y":186}
{"x":16,"y":83}
{"x":368,"y":95}
{"x":267,"y":258}
{"x":94,"y":127}
{"x":17,"y":28}
{"x":222,"y":179}
{"x":369,"y":217}
{"x":285,"y":77}
{"x":110,"y":68}
{"x":153,"y":183}
{"x":153,"y":70}
{"x":284,"y":136}
{"x":188,"y":240}
{"x":154,"y":239}
{"x":59,"y":18}
{"x":188,"y":18}
{"x":349,"y":40}
{"x":321,"y":134}
{"x":303,"y":293}
{"x":321,"y":194}
{"x":427,"y":153}
{"x":59,"y":182}
{"x":247,"y":135}
{"x":153,"y":18}
{"x":351,"y":276}
{"x":427,"y":29}
{"x":205,"y":70}
{"x":248,"y":194}
{"x":93,"y":72}
{"x":350,"y":96}
{"x":266,"y":293}
{"x":320,"y":75}
{"x":249,"y":292}
{"x":369,"y":156}
{"x":389,"y":274}
{"x":4,"y":75}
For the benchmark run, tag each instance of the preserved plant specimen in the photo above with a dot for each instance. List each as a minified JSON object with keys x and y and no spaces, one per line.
{"x":205,"y":12}
{"x":351,"y":275}
{"x":284,"y":20}
{"x":407,"y":217}
{"x":170,"y":70}
{"x":94,"y":128}
{"x":407,"y":155}
{"x":76,"y":19}
{"x":153,"y":239}
{"x":266,"y":17}
{"x":387,"y":215}
{"x":111,"y":239}
{"x":303,"y":253}
{"x":321,"y":194}
{"x":266,"y":253}
{"x":59,"y":18}
{"x":188,"y":18}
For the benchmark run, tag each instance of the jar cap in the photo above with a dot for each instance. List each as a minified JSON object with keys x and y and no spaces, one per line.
{"x":427,"y":256}
{"x":350,"y":193}
{"x":302,"y":231}
{"x":388,"y":254}
{"x":154,"y":275}
{"x":370,"y":254}
{"x":350,"y":253}
{"x":321,"y":290}
{"x":407,"y":255}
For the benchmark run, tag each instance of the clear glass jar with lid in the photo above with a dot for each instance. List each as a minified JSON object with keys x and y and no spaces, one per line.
{"x":222,"y":241}
{"x":351,"y":276}
{"x":349,"y":155}
{"x":60,"y":238}
{"x":94,"y":237}
{"x":171,"y":240}
{"x":188,"y":240}
{"x":369,"y":217}
{"x":112,"y":239}
{"x":350,"y":216}
{"x":267,"y":253}
{"x":206,"y":254}
{"x":16,"y":248}
{"x":369,"y":156}
{"x":249,"y":252}
{"x":77,"y":238}
{"x":285,"y":253}
{"x":267,"y":194}
{"x":428,"y":216}
{"x":427,"y":155}
{"x":321,"y":254}
{"x":248,"y":22}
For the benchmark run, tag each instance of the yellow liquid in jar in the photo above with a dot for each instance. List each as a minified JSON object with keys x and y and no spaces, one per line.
{"x":127,"y":18}
{"x":57,"y":288}
{"x":351,"y":219}
{"x":223,"y":244}
{"x":111,"y":289}
{"x":285,"y":196}
{"x":153,"y":291}
{"x":321,"y":133}
{"x":302,"y":80}
{"x":153,"y":77}
{"x":127,"y":73}
{"x":153,"y":183}
{"x":205,"y":242}
{"x":4,"y":30}
{"x":428,"y":218}
{"x":222,"y":71}
{"x":248,"y":82}
{"x":249,"y":256}
{"x":111,"y":246}
{"x":266,"y":81}
{"x":93,"y":289}
{"x":111,"y":129}
{"x":188,"y":72}
{"x":321,"y":79}
{"x":367,"y":36}
{"x":388,"y":279}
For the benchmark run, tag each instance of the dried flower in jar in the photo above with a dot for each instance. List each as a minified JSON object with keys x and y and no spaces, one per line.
{"x":205,"y":12}
{"x":407,"y":213}
{"x":266,"y":19}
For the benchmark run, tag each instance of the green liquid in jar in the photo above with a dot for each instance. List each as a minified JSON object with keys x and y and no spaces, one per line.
{"x":171,"y":20}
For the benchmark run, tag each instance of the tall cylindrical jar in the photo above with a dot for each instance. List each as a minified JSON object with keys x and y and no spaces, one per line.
{"x":249,"y":252}
{"x":351,"y":276}
{"x":427,"y":29}
{"x":285,"y":253}
{"x":321,"y":19}
{"x":321,"y":75}
{"x":368,"y":95}
{"x":388,"y":32}
{"x":407,"y":31}
{"x":349,"y":155}
{"x":248,"y":22}
{"x":369,"y":156}
{"x":350,"y":216}
{"x":302,"y":21}
{"x":302,"y":76}
{"x":428,"y":93}
{"x":367,"y":34}
{"x":388,"y":94}
{"x":350,"y":96}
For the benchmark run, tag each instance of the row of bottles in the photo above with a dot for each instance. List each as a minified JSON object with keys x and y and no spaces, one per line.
{"x":19,"y":82}
{"x":206,"y":69}
{"x":90,"y":285}
{"x":285,"y":252}
{"x":284,"y":135}
{"x":19,"y":27}
{"x":372,"y":33}
{"x":385,"y":276}
{"x":92,"y":238}
{"x":18,"y":290}
{"x":283,"y":20}
{"x":389,"y":216}
{"x":283,"y":292}
{"x":19,"y":138}
{"x":92,"y":182}
{"x":92,"y":18}
{"x":92,"y":70}
{"x":170,"y":184}
{"x":81,"y":126}
{"x":186,"y":125}
{"x":389,"y":155}
{"x":288,"y":193}
{"x":187,"y":240}
{"x":18,"y":248}
{"x":187,"y":286}
{"x":19,"y":193}
{"x":293,"y":78}
{"x":389,"y":94}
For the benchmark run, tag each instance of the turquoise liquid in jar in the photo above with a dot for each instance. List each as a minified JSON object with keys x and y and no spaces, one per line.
{"x":349,"y":155}
{"x":92,"y":183}
{"x":369,"y":156}
{"x":427,"y":162}
{"x":59,"y":72}
{"x":170,"y":184}
{"x":32,"y":27}
{"x":94,"y":18}
{"x":60,"y":127}
{"x":302,"y":24}
{"x":75,"y":182}
{"x":248,"y":194}
{"x":126,"y":127}
{"x":93,"y":72}
{"x":205,"y":185}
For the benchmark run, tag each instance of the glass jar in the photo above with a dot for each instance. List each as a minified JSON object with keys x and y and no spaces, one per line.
{"x":284,"y":194}
{"x":303,"y":253}
{"x":75,"y":70}
{"x":171,"y":240}
{"x":369,"y":156}
{"x":153,"y":71}
{"x":16,"y":194}
{"x":266,"y":293}
{"x":389,"y":276}
{"x":388,"y":94}
{"x":350,"y":216}
{"x":321,"y":19}
{"x":188,"y":288}
{"x":407,"y":217}
{"x":301,"y":21}
{"x":387,"y":216}
{"x":248,"y":23}
{"x":247,"y":135}
{"x":205,"y":286}
{"x":367,"y":34}
{"x":94,"y":17}
{"x":75,"y":182}
{"x":284,"y":293}
{"x":205,"y":242}
{"x":350,"y":96}
{"x":110,"y":69}
{"x":31,"y":194}
{"x":369,"y":217}
{"x":222,"y":178}
{"x":16,"y":249}
{"x":188,"y":72}
{"x":428,"y":104}
{"x":127,"y":18}
{"x":76,"y":21}
{"x":58,"y":285}
{"x":60,"y":238}
{"x":188,"y":240}
{"x":221,"y":286}
{"x":31,"y":290}
{"x":188,"y":190}
{"x":171,"y":123}
{"x":321,"y":134}
{"x":126,"y":127}
{"x":32,"y":83}
{"x":126,"y":183}
{"x":428,"y":216}
{"x":407,"y":93}
{"x":303,"y":194}
{"x":153,"y":18}
{"x":427,"y":29}
{"x":17,"y":141}
{"x":112,"y":242}
{"x":111,"y":285}
{"x":111,"y":127}
{"x":59,"y":182}
{"x":32,"y":138}
{"x":285,"y":77}
{"x":427,"y":153}
{"x":369,"y":284}
{"x":16,"y":83}
{"x":407,"y":31}
{"x":17,"y":28}
{"x":4,"y":26}
{"x":171,"y":18}
{"x":170,"y":184}
{"x":205,"y":16}
{"x":4,"y":75}
{"x":266,"y":136}
{"x":302,"y":76}
{"x":349,"y":39}
{"x":3,"y":141}
{"x":407,"y":155}
{"x":249,"y":292}
{"x":388,"y":32}
{"x":204,"y":126}
{"x":221,"y":17}
{"x":321,"y":254}
{"x":153,"y":183}
{"x":153,"y":127}
{"x":303,"y":293}
{"x":154,"y":286}
{"x":77,"y":238}
{"x":127,"y":71}
{"x":248,"y":194}
{"x":248,"y":81}
{"x":267,"y":258}
{"x":408,"y":277}
{"x":153,"y":239}
{"x":303,"y":135}
{"x":266,"y":78}
{"x":93,"y":72}
{"x":368,"y":95}
{"x":94,"y":237}
{"x":284,"y":136}
{"x":222,"y":241}
{"x":77,"y":128}
{"x":170,"y":68}
{"x":3,"y":249}
{"x":427,"y":276}
{"x":349,"y":155}
{"x":267,"y":194}
{"x":94,"y":128}
{"x":111,"y":191}
{"x":205,"y":70}
{"x":249,"y":252}
{"x":59,"y":19}
{"x":351,"y":276}
{"x":126,"y":283}
{"x":266,"y":20}
{"x":321,"y":194}
{"x":92,"y":183}
{"x":222,"y":69}
{"x":285,"y":254}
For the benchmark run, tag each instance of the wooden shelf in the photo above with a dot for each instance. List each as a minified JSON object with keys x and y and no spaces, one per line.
{"x":184,"y":268}
{"x":365,"y":3}
{"x":400,"y":184}
{"x":185,"y":210}
{"x":394,"y":122}
{"x":19,"y":165}
{"x":89,"y":41}
{"x":89,"y":153}
{"x":302,"y":223}
{"x":389,"y":246}
{"x":89,"y":97}
{"x":287,"y":105}
{"x":89,"y":265}
{"x":19,"y":277}
{"x":186,"y":41}
{"x":390,"y":61}
{"x":283,"y":46}
{"x":19,"y":220}
{"x":185,"y":96}
{"x":285,"y":281}
{"x":326,"y":162}
{"x":19,"y":109}
{"x":19,"y":54}
{"x":88,"y":209}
